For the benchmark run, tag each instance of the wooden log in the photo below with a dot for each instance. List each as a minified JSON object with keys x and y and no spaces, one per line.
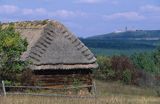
{"x":56,"y":78}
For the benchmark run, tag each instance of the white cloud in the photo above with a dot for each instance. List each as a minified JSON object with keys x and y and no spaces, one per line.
{"x":12,"y":9}
{"x":64,"y":13}
{"x":37,"y":11}
{"x":125,"y":15}
{"x":27,"y":11}
{"x":114,"y":2}
{"x":67,"y":14}
{"x":8,"y":9}
{"x":89,"y":1}
{"x":41,"y":11}
{"x":150,"y":8}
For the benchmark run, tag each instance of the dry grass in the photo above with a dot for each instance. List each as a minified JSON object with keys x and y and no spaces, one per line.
{"x":117,"y":88}
{"x":109,"y":93}
{"x":101,"y":100}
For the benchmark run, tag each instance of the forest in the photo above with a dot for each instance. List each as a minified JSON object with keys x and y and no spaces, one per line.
{"x":126,"y":43}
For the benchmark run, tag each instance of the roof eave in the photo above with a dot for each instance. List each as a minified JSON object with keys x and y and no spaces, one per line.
{"x":64,"y":66}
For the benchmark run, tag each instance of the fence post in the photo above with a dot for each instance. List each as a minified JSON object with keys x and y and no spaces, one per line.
{"x":4,"y":89}
{"x":95,"y":92}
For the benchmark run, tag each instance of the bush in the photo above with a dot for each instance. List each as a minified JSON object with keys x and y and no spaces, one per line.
{"x":104,"y":71}
{"x":110,"y":74}
{"x":115,"y":68}
{"x":27,"y":78}
{"x":122,"y":65}
{"x":127,"y":77}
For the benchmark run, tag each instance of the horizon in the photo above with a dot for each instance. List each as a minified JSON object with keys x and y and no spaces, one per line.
{"x":86,"y":18}
{"x":116,"y":32}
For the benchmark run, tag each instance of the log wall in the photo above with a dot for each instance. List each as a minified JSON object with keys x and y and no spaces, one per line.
{"x":63,"y":77}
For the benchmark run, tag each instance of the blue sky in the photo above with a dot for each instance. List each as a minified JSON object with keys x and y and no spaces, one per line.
{"x":86,"y":17}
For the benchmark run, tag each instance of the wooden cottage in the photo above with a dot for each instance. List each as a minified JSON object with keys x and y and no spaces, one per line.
{"x":58,"y":57}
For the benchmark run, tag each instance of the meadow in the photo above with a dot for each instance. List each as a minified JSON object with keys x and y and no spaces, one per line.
{"x":107,"y":93}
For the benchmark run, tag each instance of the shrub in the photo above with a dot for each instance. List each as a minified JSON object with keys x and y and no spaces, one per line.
{"x":104,"y":71}
{"x":27,"y":78}
{"x":115,"y":68}
{"x":76,"y":84}
{"x":121,"y":65}
{"x":127,"y":77}
{"x":110,"y":74}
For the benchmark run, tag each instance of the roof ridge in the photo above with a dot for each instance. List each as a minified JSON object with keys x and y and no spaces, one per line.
{"x":27,"y":28}
{"x":35,"y":24}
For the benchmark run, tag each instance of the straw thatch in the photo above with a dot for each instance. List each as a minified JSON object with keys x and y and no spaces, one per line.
{"x":53,"y":46}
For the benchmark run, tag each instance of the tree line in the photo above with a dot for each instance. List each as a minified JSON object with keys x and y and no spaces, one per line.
{"x":139,"y":69}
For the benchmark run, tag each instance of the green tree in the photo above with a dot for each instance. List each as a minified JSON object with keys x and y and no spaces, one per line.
{"x":156,"y":56}
{"x":145,"y":61}
{"x":11,"y":48}
{"x":104,"y":71}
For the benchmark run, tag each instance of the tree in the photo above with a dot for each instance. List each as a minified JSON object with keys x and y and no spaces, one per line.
{"x":146,"y":62}
{"x":104,"y":71}
{"x":11,"y":48}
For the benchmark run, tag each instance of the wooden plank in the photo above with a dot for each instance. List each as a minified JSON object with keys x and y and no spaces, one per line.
{"x":4,"y":89}
{"x":95,"y":92}
{"x":39,"y":87}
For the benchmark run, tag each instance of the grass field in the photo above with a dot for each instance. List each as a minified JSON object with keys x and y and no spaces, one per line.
{"x":102,"y":100}
{"x":108,"y":93}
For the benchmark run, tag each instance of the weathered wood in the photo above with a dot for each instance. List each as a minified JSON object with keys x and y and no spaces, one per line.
{"x":54,"y":77}
{"x":4,"y":89}
{"x":95,"y":91}
{"x":39,"y":87}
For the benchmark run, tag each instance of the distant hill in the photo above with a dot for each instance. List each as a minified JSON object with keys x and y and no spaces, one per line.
{"x":128,"y":40}
{"x":131,"y":35}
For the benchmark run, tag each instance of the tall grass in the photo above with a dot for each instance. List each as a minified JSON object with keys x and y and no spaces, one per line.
{"x":102,"y":100}
{"x":108,"y":93}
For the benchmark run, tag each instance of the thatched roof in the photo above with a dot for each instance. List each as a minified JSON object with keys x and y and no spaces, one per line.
{"x":53,"y":46}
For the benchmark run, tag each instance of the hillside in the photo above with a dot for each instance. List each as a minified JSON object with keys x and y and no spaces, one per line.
{"x":125,"y":42}
{"x":131,"y":35}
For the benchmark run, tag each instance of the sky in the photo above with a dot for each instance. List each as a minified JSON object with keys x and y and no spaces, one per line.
{"x":86,"y":17}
